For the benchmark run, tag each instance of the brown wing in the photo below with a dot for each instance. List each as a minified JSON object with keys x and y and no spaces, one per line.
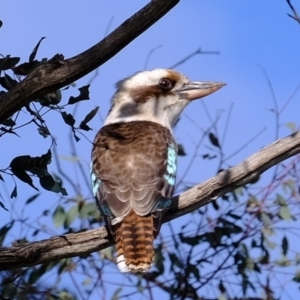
{"x":129,"y":167}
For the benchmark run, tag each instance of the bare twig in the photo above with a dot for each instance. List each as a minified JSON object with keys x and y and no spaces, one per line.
{"x":198,"y":51}
{"x":295,"y":16}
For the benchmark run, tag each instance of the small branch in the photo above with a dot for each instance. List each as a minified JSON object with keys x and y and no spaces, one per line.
{"x":199,"y":51}
{"x":58,"y":72}
{"x":295,"y":16}
{"x":84,"y":243}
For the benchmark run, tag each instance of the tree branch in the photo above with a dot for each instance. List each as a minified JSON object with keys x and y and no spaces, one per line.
{"x":83,"y":243}
{"x":295,"y":16}
{"x":58,"y":72}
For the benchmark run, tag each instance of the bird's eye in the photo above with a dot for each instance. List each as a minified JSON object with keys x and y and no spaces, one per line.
{"x":166,"y":84}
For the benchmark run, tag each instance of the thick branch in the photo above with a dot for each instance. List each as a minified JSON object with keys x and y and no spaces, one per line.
{"x":59,"y":72}
{"x":83,"y":243}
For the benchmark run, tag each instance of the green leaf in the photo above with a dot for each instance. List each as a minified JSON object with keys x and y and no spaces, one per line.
{"x":50,"y":184}
{"x":270,"y":244}
{"x":8,"y":62}
{"x":234,"y":216}
{"x":35,"y":49}
{"x":284,"y":245}
{"x":254,"y":180}
{"x":3,"y":206}
{"x":292,"y":126}
{"x":264,"y":259}
{"x":221,"y":287}
{"x":116,"y":294}
{"x":159,"y":260}
{"x":214,"y":140}
{"x":249,"y":263}
{"x":254,"y":244}
{"x":215,"y":204}
{"x":284,"y":213}
{"x":59,"y":216}
{"x":252,"y":202}
{"x":35,"y":232}
{"x":140,"y":287}
{"x":192,"y":241}
{"x":71,"y":216}
{"x":35,"y":275}
{"x":257,"y":268}
{"x":84,"y":95}
{"x":243,"y":250}
{"x":68,"y":118}
{"x":175,"y":260}
{"x":7,"y":82}
{"x":208,"y":156}
{"x":38,"y":272}
{"x":88,"y":210}
{"x":283,"y":262}
{"x":43,"y":131}
{"x":239,"y":191}
{"x":4,"y":230}
{"x":14,"y":193}
{"x":180,"y":150}
{"x":88,"y":281}
{"x":52,"y":98}
{"x":36,"y":165}
{"x":297,"y":276}
{"x":32,"y":198}
{"x":77,"y":139}
{"x":65,"y":295}
{"x":85,"y":127}
{"x":47,"y":182}
{"x":107,"y":253}
{"x":266,"y":219}
{"x":245,"y":283}
{"x":22,"y":162}
{"x":23,"y":176}
{"x":233,"y":228}
{"x":90,"y":115}
{"x":289,"y":186}
{"x":65,"y":265}
{"x":280,"y":200}
{"x":194,"y":270}
{"x":58,"y":188}
{"x":27,"y":67}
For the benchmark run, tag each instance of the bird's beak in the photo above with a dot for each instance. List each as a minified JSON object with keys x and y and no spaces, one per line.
{"x":198,"y":89}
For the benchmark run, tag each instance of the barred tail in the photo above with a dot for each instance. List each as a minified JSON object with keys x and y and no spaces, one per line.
{"x":134,"y":238}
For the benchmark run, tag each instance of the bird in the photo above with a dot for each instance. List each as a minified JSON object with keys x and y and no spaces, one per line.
{"x":134,"y":159}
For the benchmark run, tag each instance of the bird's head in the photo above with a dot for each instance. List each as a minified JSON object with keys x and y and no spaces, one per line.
{"x":159,"y":96}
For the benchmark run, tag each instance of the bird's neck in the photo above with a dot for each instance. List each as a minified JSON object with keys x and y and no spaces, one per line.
{"x":131,"y":112}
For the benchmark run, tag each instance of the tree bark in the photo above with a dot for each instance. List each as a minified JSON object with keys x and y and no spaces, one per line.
{"x":59,"y":72}
{"x":83,"y":243}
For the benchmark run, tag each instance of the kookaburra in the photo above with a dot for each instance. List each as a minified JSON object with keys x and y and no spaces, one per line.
{"x":134,"y":159}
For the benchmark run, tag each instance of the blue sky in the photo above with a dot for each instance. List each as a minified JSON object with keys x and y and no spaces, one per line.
{"x":250,"y":35}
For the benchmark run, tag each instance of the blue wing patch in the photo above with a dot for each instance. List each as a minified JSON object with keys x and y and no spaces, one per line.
{"x":161,"y":204}
{"x":95,"y":182}
{"x":170,"y":175}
